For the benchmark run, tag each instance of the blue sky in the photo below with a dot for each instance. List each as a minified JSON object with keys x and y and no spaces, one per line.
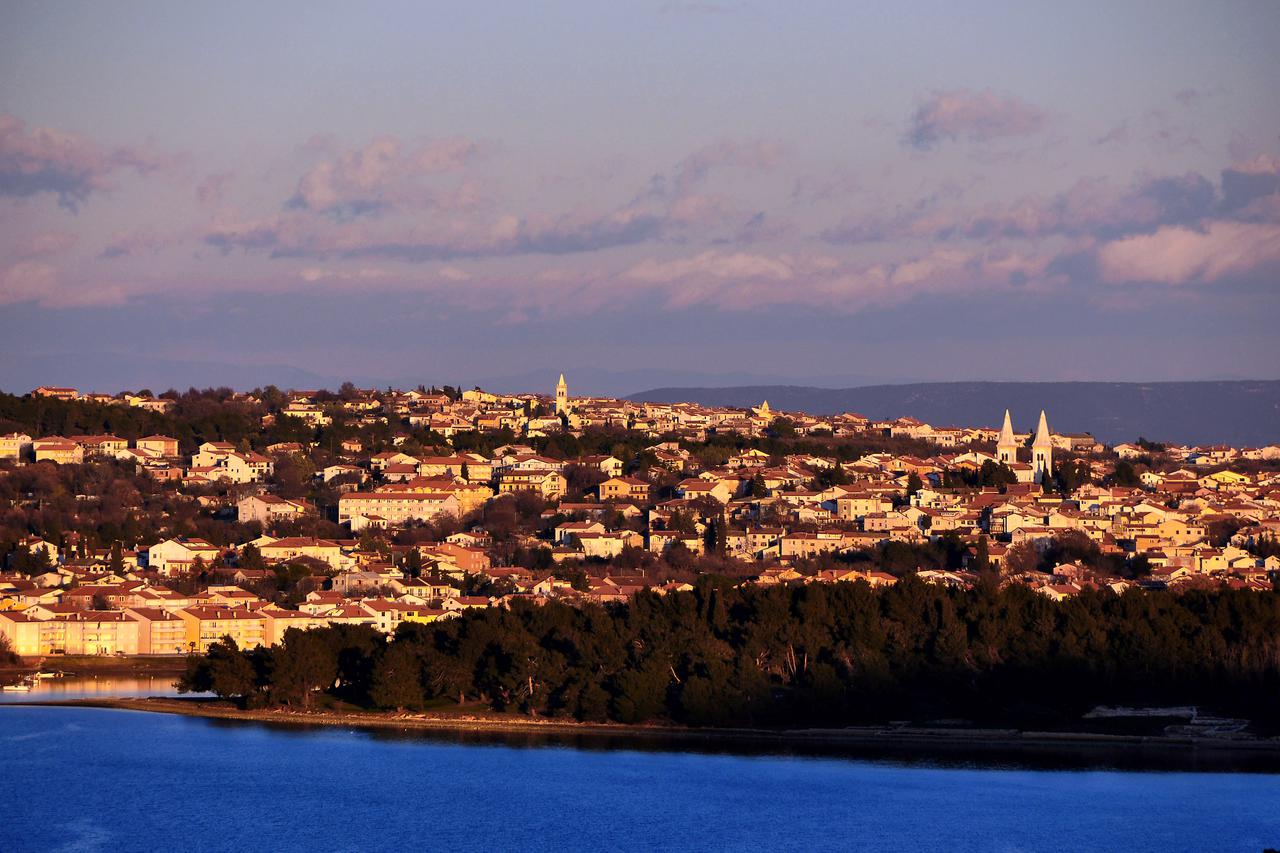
{"x":941,"y":191}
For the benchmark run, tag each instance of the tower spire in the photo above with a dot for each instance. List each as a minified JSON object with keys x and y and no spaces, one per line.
{"x":562,"y":396}
{"x":1042,"y":438}
{"x":1042,"y":450}
{"x":1006,"y":431}
{"x":1006,"y":444}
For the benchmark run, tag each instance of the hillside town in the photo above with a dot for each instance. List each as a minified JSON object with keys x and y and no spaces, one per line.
{"x":262,"y":512}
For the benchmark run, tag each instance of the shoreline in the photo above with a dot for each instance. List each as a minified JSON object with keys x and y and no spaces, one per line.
{"x":97,"y":665}
{"x":903,"y":742}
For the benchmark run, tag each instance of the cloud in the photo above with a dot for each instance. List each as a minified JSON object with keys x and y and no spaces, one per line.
{"x":323,"y":220}
{"x":41,"y":283}
{"x":742,"y":281}
{"x":130,"y":243}
{"x":45,"y":160}
{"x":1155,"y":128}
{"x":714,"y":265}
{"x":315,"y":274}
{"x":1191,"y":96}
{"x":1091,"y":207}
{"x":386,"y":173}
{"x":1177,"y":255}
{"x":756,"y":155}
{"x":1251,"y":190}
{"x":210,"y":191}
{"x":42,"y":245}
{"x":974,"y":116}
{"x":814,"y":189}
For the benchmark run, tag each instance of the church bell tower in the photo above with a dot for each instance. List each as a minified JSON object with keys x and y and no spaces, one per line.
{"x":1006,"y":445}
{"x":1042,"y":450}
{"x":562,"y":397}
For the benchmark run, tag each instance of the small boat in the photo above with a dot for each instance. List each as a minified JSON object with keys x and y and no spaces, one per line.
{"x":20,"y":687}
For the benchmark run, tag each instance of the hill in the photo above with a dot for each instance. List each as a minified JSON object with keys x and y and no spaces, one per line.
{"x":1241,"y":413}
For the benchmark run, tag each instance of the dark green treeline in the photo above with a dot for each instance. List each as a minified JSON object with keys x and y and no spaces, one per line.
{"x":818,"y":654}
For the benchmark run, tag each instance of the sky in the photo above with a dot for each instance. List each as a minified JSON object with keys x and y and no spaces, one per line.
{"x":817,"y":192}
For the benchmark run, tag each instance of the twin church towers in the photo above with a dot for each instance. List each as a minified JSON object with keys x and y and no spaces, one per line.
{"x":1041,"y":447}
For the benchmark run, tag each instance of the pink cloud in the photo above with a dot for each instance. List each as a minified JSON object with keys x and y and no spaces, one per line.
{"x":741,"y":282}
{"x":975,"y":116}
{"x":46,"y":160}
{"x":44,"y":244}
{"x":1091,"y":207}
{"x":210,"y":191}
{"x":130,"y":243}
{"x":755,"y":155}
{"x":383,"y":174}
{"x":42,"y":283}
{"x":1177,"y":255}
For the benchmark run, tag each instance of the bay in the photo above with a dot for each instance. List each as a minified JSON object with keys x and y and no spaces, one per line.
{"x":94,"y":779}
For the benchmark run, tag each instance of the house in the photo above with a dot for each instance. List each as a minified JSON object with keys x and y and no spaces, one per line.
{"x":176,"y":556}
{"x":624,"y":489}
{"x":610,"y":466}
{"x":107,"y":446}
{"x":609,"y":545}
{"x":208,"y":624}
{"x":57,"y":450}
{"x":309,"y":412}
{"x":160,"y":632}
{"x":56,"y":393}
{"x":276,"y":621}
{"x":383,"y":509}
{"x":219,"y":460}
{"x":334,"y":471}
{"x":15,"y":446}
{"x":265,"y":509}
{"x":721,"y":490}
{"x":292,"y":547}
{"x":564,"y":533}
{"x":548,"y":484}
{"x":380,"y":461}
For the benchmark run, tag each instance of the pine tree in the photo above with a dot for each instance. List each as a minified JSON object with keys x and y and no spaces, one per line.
{"x":982,"y":557}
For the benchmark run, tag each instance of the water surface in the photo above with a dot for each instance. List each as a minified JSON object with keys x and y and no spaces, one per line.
{"x":91,"y":779}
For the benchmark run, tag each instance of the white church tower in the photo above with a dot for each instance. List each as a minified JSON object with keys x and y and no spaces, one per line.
{"x":1042,"y":450}
{"x":562,"y":397}
{"x":1006,"y":445}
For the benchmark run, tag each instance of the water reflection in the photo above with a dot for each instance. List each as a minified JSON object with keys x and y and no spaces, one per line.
{"x":941,"y":754}
{"x":90,"y":687}
{"x":972,"y":754}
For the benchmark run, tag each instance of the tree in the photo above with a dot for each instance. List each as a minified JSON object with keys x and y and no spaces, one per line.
{"x":30,"y":561}
{"x":7,"y":654}
{"x":397,"y":678}
{"x":1125,"y":475}
{"x":250,"y":557}
{"x":115,"y":563}
{"x":1021,"y":558}
{"x":413,"y":563}
{"x":982,"y":555}
{"x":914,"y":483}
{"x":223,"y":671}
{"x":783,"y":427}
{"x":302,"y":665}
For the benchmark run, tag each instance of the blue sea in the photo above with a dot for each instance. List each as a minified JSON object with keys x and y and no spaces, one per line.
{"x":89,"y":779}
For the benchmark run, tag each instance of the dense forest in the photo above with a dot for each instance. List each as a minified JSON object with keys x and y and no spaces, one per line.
{"x":796,"y":655}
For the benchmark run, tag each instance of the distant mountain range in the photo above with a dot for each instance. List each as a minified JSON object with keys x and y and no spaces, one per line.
{"x":1241,"y":413}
